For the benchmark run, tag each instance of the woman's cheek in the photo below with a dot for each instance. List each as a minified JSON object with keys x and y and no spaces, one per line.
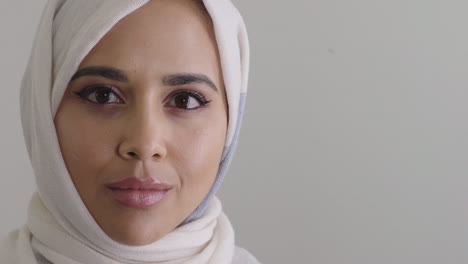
{"x":85,"y":145}
{"x":202,"y":154}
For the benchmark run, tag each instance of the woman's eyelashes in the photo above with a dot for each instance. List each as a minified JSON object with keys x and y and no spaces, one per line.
{"x":100,"y":94}
{"x":180,"y":99}
{"x":187,"y":100}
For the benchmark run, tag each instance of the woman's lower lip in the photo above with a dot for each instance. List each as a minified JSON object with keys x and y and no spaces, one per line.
{"x":138,"y":198}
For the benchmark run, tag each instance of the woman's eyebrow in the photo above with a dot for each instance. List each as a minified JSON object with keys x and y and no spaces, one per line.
{"x":187,"y":78}
{"x":103,"y":71}
{"x":121,"y":76}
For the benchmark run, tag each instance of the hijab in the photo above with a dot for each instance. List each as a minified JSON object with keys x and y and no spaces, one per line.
{"x":59,"y":228}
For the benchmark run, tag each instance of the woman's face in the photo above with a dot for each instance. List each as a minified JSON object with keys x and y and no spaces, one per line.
{"x":146,"y":104}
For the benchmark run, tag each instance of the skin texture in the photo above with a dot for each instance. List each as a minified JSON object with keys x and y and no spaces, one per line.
{"x":138,"y":129}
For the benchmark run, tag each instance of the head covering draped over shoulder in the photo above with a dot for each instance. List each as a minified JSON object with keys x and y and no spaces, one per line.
{"x":61,"y":227}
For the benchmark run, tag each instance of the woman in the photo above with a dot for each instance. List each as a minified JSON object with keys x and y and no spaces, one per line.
{"x":131,"y":111}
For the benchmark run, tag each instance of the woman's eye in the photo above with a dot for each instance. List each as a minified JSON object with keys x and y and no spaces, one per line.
{"x":188,"y":100}
{"x":100,"y":95}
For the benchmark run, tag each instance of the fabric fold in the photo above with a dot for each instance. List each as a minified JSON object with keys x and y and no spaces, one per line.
{"x":210,"y":239}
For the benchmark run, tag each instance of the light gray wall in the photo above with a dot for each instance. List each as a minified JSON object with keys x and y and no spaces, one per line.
{"x":354,"y":147}
{"x":18,"y":22}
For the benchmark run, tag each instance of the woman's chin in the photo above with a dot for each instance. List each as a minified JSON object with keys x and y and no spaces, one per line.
{"x":133,"y":226}
{"x":137,"y":231}
{"x":139,"y":237}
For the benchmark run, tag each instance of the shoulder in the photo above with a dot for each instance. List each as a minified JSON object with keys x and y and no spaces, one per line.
{"x":16,"y":247}
{"x":242,"y":256}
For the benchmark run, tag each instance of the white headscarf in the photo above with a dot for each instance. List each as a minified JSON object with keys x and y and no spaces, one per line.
{"x":59,"y":227}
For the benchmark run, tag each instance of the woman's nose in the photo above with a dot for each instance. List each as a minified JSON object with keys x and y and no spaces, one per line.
{"x":143,"y":139}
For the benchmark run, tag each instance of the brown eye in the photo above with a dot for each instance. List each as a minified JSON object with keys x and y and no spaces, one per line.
{"x":188,"y":100}
{"x":185,"y":101}
{"x":100,"y":95}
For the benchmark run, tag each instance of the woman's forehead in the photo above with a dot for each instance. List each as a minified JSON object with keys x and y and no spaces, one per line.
{"x":162,"y":37}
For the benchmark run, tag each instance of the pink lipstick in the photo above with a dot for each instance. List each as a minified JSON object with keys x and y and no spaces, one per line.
{"x":139,"y":193}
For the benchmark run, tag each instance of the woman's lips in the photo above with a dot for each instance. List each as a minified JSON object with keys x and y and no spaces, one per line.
{"x":138,"y":198}
{"x":138,"y":193}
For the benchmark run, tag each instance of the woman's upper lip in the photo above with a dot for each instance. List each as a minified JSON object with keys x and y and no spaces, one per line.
{"x":133,"y":183}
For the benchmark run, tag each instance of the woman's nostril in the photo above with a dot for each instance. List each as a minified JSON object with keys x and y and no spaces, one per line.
{"x":132,"y":154}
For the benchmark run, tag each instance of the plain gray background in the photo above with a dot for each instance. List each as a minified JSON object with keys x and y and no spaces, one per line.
{"x":354,"y":145}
